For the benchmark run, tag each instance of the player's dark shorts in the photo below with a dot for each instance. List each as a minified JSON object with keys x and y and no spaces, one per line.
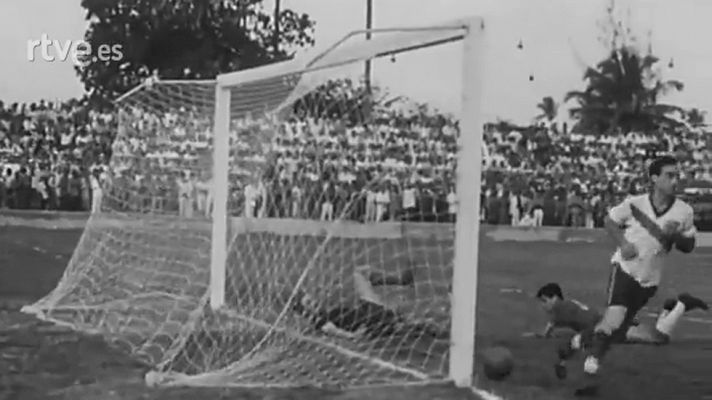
{"x":624,"y":290}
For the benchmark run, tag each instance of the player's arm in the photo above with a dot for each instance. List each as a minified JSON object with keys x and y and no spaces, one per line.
{"x":548,"y":330}
{"x":616,"y":222}
{"x":685,"y":238}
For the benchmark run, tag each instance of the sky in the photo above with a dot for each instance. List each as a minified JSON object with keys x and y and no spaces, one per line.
{"x":559,"y":36}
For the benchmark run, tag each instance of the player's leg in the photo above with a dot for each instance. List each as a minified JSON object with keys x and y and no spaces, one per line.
{"x":364,"y":288}
{"x":626,"y":298}
{"x":674,"y":309}
{"x":381,"y":318}
{"x":669,"y":317}
{"x":377,"y":278}
{"x":645,"y":334}
{"x":613,"y":316}
{"x":365,"y":279}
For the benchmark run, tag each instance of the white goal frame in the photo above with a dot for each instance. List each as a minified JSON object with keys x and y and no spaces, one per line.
{"x":469,"y":164}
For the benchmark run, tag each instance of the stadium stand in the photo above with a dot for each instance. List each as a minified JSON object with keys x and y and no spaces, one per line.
{"x":52,"y":154}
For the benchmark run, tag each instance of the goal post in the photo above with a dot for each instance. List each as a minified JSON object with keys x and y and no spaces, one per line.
{"x":467,"y":227}
{"x":285,"y":226}
{"x":221,"y":156}
{"x":465,"y":271}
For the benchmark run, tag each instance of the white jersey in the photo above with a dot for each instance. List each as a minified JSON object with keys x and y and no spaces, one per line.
{"x":647,"y":267}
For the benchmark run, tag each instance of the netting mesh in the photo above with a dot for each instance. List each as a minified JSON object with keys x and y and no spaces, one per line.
{"x":326,"y":285}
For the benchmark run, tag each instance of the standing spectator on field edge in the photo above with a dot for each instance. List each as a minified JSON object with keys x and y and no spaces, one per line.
{"x":96,"y":192}
{"x":408,"y":201}
{"x":370,"y":205}
{"x":250,"y":194}
{"x":327,"y":205}
{"x":451,"y":204}
{"x":383,"y":198}
{"x":185,"y":196}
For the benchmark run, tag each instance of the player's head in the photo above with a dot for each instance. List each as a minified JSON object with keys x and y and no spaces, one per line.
{"x":549,"y":294}
{"x":664,"y":174}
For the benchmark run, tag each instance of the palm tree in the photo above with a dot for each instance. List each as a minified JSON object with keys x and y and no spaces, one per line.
{"x":549,"y":109}
{"x":695,"y":117}
{"x":623,"y":91}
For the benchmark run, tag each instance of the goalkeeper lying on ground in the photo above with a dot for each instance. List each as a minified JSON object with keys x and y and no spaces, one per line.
{"x":370,"y":316}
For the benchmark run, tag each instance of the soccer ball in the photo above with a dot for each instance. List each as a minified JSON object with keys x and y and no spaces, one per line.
{"x":498,"y":363}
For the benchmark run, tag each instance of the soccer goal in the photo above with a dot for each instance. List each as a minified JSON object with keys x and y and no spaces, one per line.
{"x":260,"y":229}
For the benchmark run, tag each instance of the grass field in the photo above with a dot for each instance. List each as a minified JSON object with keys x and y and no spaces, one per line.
{"x":38,"y":361}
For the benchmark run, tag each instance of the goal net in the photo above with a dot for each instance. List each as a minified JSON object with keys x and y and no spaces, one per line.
{"x":286,"y":225}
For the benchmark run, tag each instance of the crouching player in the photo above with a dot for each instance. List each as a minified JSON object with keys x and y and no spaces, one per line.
{"x":573,"y":315}
{"x":370,"y":316}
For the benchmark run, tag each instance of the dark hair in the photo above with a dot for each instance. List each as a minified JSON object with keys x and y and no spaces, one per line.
{"x":550,"y":290}
{"x":658,"y":163}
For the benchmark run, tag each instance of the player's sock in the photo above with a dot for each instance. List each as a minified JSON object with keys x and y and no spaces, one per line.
{"x":591,"y":384}
{"x":568,"y":348}
{"x":577,"y":342}
{"x":600,"y":344}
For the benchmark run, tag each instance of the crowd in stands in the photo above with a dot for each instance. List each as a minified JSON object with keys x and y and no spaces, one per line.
{"x":71,"y":156}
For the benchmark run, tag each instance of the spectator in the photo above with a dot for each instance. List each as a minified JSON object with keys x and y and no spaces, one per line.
{"x":96,"y":192}
{"x":371,"y":211}
{"x":409,"y":204}
{"x":452,"y":204}
{"x":296,"y":200}
{"x":186,"y":195}
{"x":251,"y":200}
{"x":327,"y":205}
{"x":383,"y":200}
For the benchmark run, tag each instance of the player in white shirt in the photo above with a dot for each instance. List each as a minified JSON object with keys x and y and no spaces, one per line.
{"x":645,"y":228}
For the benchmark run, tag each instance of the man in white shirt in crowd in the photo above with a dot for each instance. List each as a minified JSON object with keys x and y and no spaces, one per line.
{"x":251,"y":195}
{"x":383,"y":198}
{"x":262,"y":199}
{"x":296,"y":205}
{"x":409,"y":203}
{"x":204,"y":194}
{"x":186,"y":194}
{"x":370,"y":205}
{"x":514,"y":208}
{"x":96,"y":191}
{"x":451,"y":204}
{"x":327,"y":205}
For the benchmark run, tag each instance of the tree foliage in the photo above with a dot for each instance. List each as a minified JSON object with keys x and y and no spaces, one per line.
{"x":624,"y":90}
{"x":695,"y":117}
{"x":548,"y":109}
{"x":179,"y":39}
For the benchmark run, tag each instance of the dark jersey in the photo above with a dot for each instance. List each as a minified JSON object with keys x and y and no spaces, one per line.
{"x":573,"y":315}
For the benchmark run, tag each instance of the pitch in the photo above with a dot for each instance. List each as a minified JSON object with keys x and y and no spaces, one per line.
{"x":42,"y":361}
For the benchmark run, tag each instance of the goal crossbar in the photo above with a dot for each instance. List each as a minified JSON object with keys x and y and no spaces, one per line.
{"x":339,"y":54}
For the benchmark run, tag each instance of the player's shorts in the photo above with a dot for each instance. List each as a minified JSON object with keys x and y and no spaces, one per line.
{"x":625,"y":291}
